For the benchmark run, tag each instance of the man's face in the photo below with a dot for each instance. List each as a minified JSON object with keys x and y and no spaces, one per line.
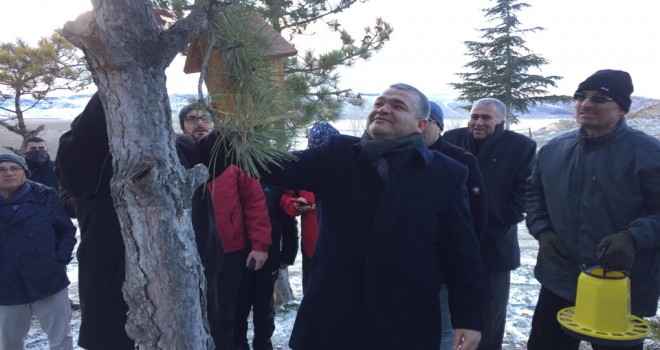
{"x":483,"y":119}
{"x":33,"y":146}
{"x":12,"y":176}
{"x":597,"y":119}
{"x":394,"y":115}
{"x":197,"y":124}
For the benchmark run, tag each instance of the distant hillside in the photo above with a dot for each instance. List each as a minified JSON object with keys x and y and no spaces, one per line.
{"x":453,"y":110}
{"x":70,"y":106}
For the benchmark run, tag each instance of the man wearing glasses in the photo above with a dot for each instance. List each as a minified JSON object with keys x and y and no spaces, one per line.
{"x":594,"y":196}
{"x":242,"y":221}
{"x":195,"y":121}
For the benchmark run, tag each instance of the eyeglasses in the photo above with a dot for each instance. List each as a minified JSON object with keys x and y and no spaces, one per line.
{"x":192,"y":119}
{"x":600,"y":99}
{"x":13,"y":169}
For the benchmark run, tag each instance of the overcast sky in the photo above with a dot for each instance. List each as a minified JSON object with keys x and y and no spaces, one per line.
{"x":426,"y":48}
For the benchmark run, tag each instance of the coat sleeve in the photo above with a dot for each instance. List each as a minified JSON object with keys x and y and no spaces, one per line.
{"x":646,"y":229}
{"x":289,"y":229}
{"x":464,"y":275}
{"x":286,"y":203}
{"x":537,"y":218}
{"x":65,"y":231}
{"x":516,"y":205}
{"x":478,"y":201}
{"x":83,"y":155}
{"x":255,"y":212}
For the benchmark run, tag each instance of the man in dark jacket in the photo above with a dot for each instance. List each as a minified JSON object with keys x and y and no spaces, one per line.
{"x":36,"y":241}
{"x":505,"y":159}
{"x":242,"y":222}
{"x":35,"y":152}
{"x":257,"y":287}
{"x":476,"y":191}
{"x":387,"y":231}
{"x":595,"y":191}
{"x":85,"y":168}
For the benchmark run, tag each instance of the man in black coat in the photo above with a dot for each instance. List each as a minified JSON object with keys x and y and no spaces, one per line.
{"x":393,"y":217}
{"x":257,"y":287}
{"x":35,"y":152}
{"x":505,"y":159}
{"x":476,"y":191}
{"x":85,"y":169}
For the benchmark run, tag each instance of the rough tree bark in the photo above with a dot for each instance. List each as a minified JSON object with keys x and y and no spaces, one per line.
{"x":128,"y":52}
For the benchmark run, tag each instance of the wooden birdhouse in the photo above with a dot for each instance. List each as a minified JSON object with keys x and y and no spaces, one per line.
{"x":218,"y":78}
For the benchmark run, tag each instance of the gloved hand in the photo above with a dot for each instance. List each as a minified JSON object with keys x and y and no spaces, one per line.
{"x":552,"y":247}
{"x":618,"y":250}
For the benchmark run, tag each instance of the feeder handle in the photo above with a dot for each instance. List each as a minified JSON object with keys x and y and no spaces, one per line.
{"x":600,"y":253}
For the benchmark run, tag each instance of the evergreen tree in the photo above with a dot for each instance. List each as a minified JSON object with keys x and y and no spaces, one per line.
{"x":311,"y":78}
{"x":53,"y":64}
{"x":501,"y":65}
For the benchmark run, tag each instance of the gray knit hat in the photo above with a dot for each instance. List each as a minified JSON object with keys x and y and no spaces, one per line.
{"x":10,"y":157}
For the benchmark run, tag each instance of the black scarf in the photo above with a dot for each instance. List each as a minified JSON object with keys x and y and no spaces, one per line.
{"x":384,"y":155}
{"x":18,"y":196}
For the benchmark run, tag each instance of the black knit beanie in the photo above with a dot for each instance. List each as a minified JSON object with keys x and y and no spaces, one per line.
{"x":616,"y":84}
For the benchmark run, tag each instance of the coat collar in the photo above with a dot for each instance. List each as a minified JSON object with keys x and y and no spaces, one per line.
{"x":420,"y":153}
{"x":610,"y":137}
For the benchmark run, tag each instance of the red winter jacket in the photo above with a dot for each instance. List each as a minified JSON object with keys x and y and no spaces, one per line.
{"x":309,"y":225}
{"x":240,"y":211}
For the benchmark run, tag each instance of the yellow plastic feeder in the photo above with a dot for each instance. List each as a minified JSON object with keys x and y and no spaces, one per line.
{"x":602,"y":310}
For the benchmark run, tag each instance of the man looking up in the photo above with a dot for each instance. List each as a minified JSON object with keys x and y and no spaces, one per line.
{"x":595,"y":190}
{"x":393,"y":218}
{"x":505,"y":159}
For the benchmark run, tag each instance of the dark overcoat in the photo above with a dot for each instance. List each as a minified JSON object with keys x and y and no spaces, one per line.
{"x":85,"y":170}
{"x":475,"y":183}
{"x":36,"y":241}
{"x":506,"y":159}
{"x":381,"y":249}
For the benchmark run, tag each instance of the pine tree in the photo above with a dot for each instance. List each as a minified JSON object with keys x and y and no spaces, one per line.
{"x":501,"y":65}
{"x":36,"y":71}
{"x":312,"y":81}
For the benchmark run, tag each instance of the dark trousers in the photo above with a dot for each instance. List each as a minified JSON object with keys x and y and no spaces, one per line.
{"x":229,"y":284}
{"x":256,"y":294}
{"x":497,"y":298}
{"x":547,"y":333}
{"x":306,"y":267}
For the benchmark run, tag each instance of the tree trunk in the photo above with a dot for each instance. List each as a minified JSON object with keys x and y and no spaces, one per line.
{"x":165,"y":287}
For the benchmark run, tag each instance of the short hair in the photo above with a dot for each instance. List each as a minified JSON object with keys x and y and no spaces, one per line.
{"x":499,"y":105}
{"x":33,"y":139}
{"x":422,"y":106}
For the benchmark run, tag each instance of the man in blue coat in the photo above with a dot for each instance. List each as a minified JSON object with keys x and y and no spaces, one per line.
{"x":36,"y":241}
{"x":505,"y":159}
{"x":393,"y":217}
